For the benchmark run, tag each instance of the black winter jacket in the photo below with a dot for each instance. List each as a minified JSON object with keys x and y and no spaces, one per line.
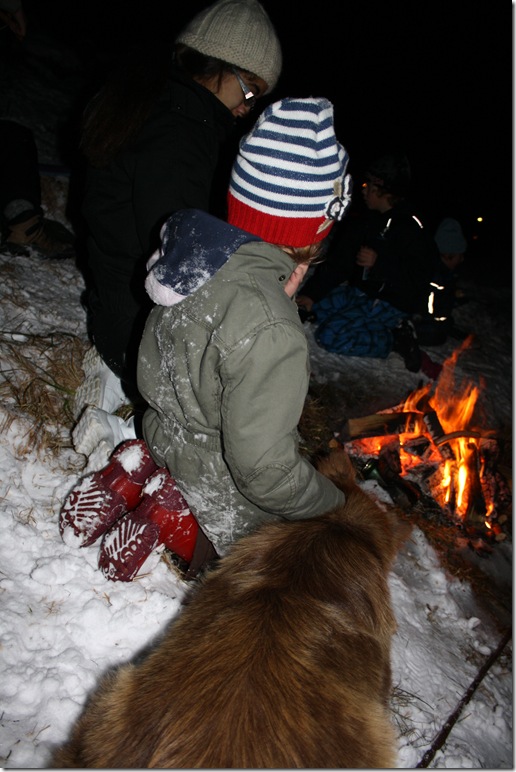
{"x":170,"y":166}
{"x":407,"y":258}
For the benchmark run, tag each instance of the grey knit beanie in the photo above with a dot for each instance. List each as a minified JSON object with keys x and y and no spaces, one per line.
{"x":238,"y":32}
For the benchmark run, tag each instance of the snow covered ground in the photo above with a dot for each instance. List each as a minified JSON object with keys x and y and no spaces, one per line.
{"x":62,"y":624}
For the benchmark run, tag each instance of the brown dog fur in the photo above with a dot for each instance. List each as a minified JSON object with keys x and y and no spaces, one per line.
{"x":281,"y":659}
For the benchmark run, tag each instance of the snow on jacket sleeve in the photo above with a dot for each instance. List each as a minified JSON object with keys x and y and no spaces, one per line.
{"x":262,"y":402}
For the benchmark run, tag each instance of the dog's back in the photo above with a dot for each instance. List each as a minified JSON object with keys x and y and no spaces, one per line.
{"x":281,"y":659}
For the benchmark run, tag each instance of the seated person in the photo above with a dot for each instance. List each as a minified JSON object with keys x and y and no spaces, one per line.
{"x":377,"y":273}
{"x":24,"y":228}
{"x":434,"y":327}
{"x":224,"y":363}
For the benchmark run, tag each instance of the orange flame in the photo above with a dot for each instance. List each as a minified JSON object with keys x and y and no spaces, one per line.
{"x":457,"y":482}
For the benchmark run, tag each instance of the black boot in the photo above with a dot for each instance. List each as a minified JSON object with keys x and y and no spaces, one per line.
{"x":404,"y":343}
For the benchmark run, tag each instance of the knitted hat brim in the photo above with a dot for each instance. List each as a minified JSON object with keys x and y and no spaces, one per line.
{"x":294,"y":230}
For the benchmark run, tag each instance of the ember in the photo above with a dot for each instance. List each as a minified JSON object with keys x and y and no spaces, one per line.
{"x":438,"y":437}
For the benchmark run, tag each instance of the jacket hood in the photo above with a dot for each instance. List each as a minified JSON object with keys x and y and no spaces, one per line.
{"x":194,"y":246}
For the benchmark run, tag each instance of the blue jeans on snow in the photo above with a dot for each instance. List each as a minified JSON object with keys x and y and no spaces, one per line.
{"x":353,"y":324}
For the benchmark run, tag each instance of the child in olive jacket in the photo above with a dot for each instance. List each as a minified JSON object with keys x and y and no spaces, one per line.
{"x":223,"y":362}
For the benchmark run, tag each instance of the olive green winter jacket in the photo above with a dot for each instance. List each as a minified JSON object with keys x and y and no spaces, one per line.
{"x":225,"y":372}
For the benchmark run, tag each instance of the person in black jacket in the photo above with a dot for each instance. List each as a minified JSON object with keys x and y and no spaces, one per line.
{"x":435,"y":323}
{"x":152,"y":138}
{"x":24,"y":229}
{"x":377,"y":273}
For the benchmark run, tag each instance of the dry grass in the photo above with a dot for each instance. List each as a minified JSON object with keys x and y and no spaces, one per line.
{"x":40,"y":374}
{"x":314,"y":427}
{"x":400,"y":704}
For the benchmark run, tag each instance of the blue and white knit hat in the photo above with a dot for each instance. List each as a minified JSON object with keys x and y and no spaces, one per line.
{"x":289,"y":183}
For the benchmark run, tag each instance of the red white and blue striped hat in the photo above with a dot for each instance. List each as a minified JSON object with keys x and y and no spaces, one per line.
{"x":289,"y":183}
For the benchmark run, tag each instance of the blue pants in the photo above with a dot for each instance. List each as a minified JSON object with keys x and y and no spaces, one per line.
{"x":353,"y":324}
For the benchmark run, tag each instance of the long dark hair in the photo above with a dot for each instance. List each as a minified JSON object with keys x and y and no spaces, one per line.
{"x":117,"y":112}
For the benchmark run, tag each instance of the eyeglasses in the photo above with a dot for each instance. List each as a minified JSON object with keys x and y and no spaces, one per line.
{"x":249,"y":96}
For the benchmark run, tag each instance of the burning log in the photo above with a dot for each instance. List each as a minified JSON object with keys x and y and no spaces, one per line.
{"x":417,"y":446}
{"x":476,"y":511}
{"x":463,"y":434}
{"x":432,"y":435}
{"x":377,"y":425}
{"x":434,"y":427}
{"x":386,"y":471}
{"x":436,"y":432}
{"x":389,"y":467}
{"x":451,"y":502}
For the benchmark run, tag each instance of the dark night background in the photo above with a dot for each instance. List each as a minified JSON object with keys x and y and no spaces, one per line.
{"x":432,"y":78}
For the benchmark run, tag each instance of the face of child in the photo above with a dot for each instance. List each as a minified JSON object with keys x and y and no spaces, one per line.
{"x":375,"y":198}
{"x":452,"y":260}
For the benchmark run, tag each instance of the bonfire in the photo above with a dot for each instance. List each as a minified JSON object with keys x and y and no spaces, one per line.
{"x":437,"y":444}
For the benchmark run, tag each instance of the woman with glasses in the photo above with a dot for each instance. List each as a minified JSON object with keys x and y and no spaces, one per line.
{"x":152,"y":138}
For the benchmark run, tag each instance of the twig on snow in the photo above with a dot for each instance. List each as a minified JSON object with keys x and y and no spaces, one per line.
{"x":453,"y":717}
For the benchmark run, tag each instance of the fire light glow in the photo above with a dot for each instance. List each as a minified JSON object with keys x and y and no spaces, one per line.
{"x":458,"y":481}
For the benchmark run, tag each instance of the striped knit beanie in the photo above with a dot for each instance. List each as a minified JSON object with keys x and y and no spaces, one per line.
{"x":289,"y":183}
{"x":238,"y":32}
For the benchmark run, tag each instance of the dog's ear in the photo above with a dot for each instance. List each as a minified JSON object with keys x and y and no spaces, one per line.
{"x":338,"y":467}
